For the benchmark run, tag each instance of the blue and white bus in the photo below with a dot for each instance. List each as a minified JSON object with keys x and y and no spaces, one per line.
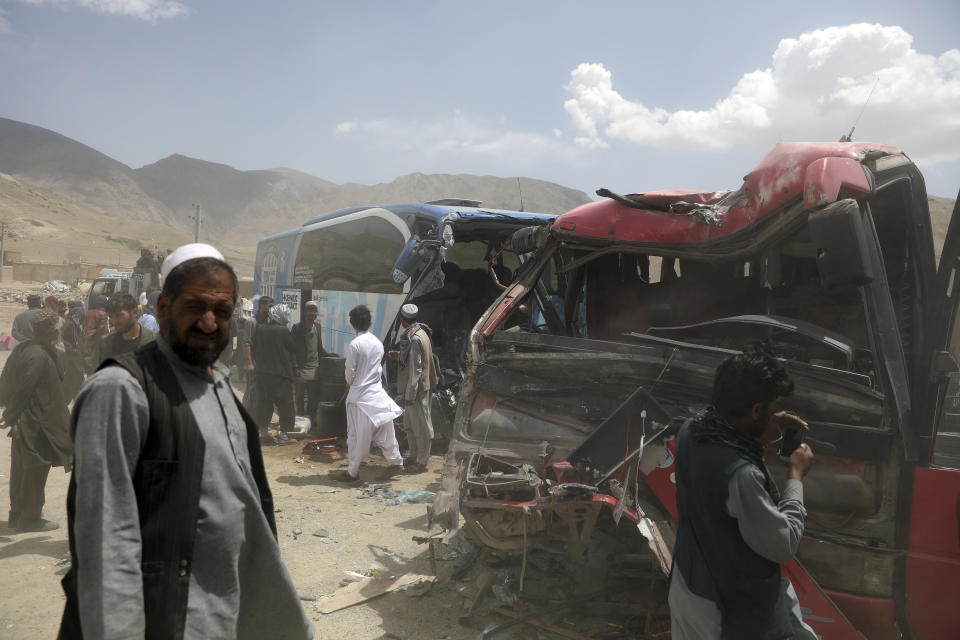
{"x":448,"y":256}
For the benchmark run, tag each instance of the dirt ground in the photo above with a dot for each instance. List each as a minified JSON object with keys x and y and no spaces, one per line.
{"x":363,"y":533}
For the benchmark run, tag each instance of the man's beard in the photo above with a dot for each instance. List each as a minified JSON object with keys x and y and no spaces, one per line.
{"x":198,"y":357}
{"x":759,"y":427}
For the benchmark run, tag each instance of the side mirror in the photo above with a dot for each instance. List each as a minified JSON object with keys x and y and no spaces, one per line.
{"x":840,"y":240}
{"x":412,"y":258}
{"x":528,"y":239}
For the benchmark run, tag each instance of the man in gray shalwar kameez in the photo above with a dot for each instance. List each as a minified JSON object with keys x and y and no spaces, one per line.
{"x":417,"y":374}
{"x":171,"y":518}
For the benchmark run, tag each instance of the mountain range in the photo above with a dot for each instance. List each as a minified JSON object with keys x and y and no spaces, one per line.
{"x":65,"y":201}
{"x":238,"y":207}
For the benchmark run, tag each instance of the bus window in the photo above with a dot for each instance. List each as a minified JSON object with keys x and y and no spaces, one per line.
{"x":357,"y":255}
{"x":473,"y":255}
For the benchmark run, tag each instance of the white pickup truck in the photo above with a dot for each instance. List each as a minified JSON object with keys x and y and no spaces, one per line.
{"x":111,"y":281}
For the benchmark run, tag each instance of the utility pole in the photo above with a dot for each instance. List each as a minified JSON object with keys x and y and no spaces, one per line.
{"x":3,"y":240}
{"x":197,"y":222}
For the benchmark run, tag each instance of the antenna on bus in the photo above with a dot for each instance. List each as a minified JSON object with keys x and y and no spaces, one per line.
{"x":521,"y":194}
{"x":849,"y":136}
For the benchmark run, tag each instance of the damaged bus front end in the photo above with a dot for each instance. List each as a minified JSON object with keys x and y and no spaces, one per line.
{"x":450,"y":257}
{"x":579,"y":375}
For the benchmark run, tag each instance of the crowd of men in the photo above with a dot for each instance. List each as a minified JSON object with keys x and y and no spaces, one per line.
{"x":169,"y":511}
{"x":276,"y":361}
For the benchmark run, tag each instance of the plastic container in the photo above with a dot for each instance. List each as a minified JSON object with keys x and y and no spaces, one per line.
{"x":301,"y":425}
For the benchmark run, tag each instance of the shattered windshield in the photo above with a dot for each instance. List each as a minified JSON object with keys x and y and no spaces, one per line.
{"x":774,"y":296}
{"x":596,"y":325}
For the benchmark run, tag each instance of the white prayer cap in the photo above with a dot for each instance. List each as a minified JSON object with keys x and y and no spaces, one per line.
{"x":188,"y":252}
{"x":409,"y":312}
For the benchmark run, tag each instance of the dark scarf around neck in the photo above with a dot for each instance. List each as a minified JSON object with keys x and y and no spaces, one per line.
{"x":713,"y":428}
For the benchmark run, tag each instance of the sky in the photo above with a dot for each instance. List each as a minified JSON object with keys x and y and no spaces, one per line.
{"x":627,"y":95}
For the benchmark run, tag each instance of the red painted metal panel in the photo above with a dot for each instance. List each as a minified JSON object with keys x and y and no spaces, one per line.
{"x":777,"y":179}
{"x":819,"y":611}
{"x":663,"y":483}
{"x":933,"y":560}
{"x":827,"y":177}
{"x":503,"y":308}
{"x":873,"y":617}
{"x":934,"y":527}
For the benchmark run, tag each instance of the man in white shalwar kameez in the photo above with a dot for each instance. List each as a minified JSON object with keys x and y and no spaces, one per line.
{"x":370,"y":411}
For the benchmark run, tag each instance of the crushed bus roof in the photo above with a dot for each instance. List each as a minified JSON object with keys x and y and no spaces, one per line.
{"x":439,"y":212}
{"x":816,"y":172}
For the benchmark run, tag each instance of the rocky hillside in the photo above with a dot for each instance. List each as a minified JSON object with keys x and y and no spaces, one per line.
{"x":238,"y":206}
{"x":229,"y":197}
{"x":73,"y":170}
{"x":64,"y":200}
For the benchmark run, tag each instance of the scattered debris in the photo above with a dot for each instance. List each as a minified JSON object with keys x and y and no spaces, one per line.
{"x":63,"y":562}
{"x":535,"y":621}
{"x":377,"y":490}
{"x":322,"y":533}
{"x":306,"y":598}
{"x":298,"y":531}
{"x":417,"y":589}
{"x":391,"y":497}
{"x":504,"y":594}
{"x":353,"y":576}
{"x":298,"y":460}
{"x":369,"y":588}
{"x":56,"y":286}
{"x":323,"y":446}
{"x":614,"y":588}
{"x":415,"y":496}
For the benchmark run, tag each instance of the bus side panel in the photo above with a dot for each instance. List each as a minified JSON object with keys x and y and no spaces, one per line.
{"x":273,"y":269}
{"x":334,"y":308}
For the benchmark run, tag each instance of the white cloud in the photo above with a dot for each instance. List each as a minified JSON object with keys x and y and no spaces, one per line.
{"x":459,"y":138}
{"x":148,"y":10}
{"x":814,"y":89}
{"x":4,"y":23}
{"x":345,"y":127}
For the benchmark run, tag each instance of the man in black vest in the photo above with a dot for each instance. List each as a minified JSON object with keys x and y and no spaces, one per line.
{"x":736,"y":528}
{"x":170,"y":516}
{"x":127,"y":334}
